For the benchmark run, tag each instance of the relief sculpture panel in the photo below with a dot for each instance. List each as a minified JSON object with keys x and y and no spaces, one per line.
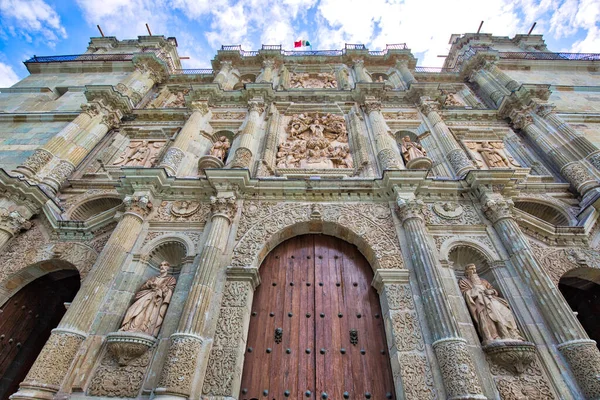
{"x":139,"y":153}
{"x":315,"y":141}
{"x":491,"y":154}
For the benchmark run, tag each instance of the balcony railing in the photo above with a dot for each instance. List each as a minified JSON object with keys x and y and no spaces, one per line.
{"x":196,"y":71}
{"x":538,"y":55}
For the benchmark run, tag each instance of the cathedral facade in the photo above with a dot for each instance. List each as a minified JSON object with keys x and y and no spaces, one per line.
{"x":301,"y":224}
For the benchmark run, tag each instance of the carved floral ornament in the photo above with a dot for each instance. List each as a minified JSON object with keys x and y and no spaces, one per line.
{"x":13,"y":221}
{"x":140,"y":205}
{"x":498,"y":208}
{"x":369,"y":226}
{"x":324,"y":80}
{"x":223,"y":206}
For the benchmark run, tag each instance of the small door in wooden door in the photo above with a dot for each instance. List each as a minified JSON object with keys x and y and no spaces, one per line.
{"x":316,"y":329}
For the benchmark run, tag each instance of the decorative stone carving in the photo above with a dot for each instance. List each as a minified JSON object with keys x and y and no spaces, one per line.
{"x":323,"y":80}
{"x":241,"y":158}
{"x":140,"y":153}
{"x":512,"y":355}
{"x":62,"y":171}
{"x":172,"y":158}
{"x":128,"y":346}
{"x":220,"y":372}
{"x":458,"y":159}
{"x":417,"y":379}
{"x":230,"y":115}
{"x":584,"y":359}
{"x":165,"y":212}
{"x":260,"y":222}
{"x":448,"y":210}
{"x":407,"y":332}
{"x":531,"y":384}
{"x":140,"y":205}
{"x":577,"y":174}
{"x":147,"y":312}
{"x":491,"y":154}
{"x":315,"y":141}
{"x":457,"y":368}
{"x":409,"y":209}
{"x":223,"y":206}
{"x":491,"y":314}
{"x":184,"y":208}
{"x":497,"y":209}
{"x":37,"y":160}
{"x":180,"y":365}
{"x":53,"y":363}
{"x":13,"y":222}
{"x":114,"y":380}
{"x":414,"y":154}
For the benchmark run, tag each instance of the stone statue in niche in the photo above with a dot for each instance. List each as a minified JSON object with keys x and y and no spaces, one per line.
{"x":414,"y":154}
{"x":488,"y":154}
{"x":451,"y":101}
{"x":140,"y":153}
{"x":315,"y":141}
{"x":150,"y":305}
{"x":220,"y":148}
{"x":491,"y":314}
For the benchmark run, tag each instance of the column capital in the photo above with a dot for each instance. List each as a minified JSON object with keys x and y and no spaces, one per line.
{"x":428,"y":105}
{"x":223,"y":206}
{"x":543,"y":109}
{"x":256,"y":105}
{"x":358,"y":62}
{"x":92,"y":109}
{"x":13,"y":222}
{"x":520,"y":119}
{"x":371,"y":104}
{"x":150,"y":64}
{"x":140,"y":205}
{"x":200,"y":106}
{"x":268,"y":63}
{"x":410,"y":209}
{"x":498,"y":208}
{"x":226,"y":66}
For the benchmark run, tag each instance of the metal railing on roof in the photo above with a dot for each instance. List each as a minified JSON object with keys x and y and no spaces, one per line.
{"x":302,"y":53}
{"x":539,"y":55}
{"x":100,"y":57}
{"x":194,"y":71}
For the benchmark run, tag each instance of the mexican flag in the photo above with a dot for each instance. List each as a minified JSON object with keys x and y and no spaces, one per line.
{"x":302,"y":43}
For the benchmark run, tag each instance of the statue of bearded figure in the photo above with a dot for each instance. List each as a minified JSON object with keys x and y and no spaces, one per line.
{"x":492,"y":316}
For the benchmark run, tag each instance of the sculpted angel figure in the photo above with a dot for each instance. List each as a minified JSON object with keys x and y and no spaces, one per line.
{"x":220,"y":147}
{"x":492,"y":316}
{"x":150,"y":305}
{"x":412,"y":150}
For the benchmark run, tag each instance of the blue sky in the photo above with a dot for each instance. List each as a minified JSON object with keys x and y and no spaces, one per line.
{"x":53,"y":27}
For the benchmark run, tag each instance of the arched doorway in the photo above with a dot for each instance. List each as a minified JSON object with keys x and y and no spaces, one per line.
{"x":581,"y":290}
{"x":316,"y":329}
{"x":26,"y":321}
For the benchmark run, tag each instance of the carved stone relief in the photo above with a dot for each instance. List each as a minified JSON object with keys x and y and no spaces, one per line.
{"x":139,"y":153}
{"x":178,"y":211}
{"x":315,"y":141}
{"x":323,"y":80}
{"x":180,"y":364}
{"x":401,"y":115}
{"x":372,"y":223}
{"x":114,"y":380}
{"x":229,"y":115}
{"x":556,"y":263}
{"x":447,"y":213}
{"x":532,"y":384}
{"x":491,"y":154}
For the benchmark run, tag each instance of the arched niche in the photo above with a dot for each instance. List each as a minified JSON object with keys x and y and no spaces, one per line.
{"x":581,"y":288}
{"x":399,"y":135}
{"x":93,"y":207}
{"x":246,"y":78}
{"x":27,"y":319}
{"x":546,"y":212}
{"x":172,"y":249}
{"x":228,"y":134}
{"x":462,"y":254}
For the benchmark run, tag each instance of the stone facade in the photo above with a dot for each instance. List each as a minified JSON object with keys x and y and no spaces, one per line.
{"x":119,"y":160}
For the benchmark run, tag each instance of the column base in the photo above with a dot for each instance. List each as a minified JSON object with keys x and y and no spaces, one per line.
{"x":584,"y":359}
{"x":33,"y":393}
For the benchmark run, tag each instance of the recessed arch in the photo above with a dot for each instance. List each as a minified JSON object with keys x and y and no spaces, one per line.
{"x":463,"y":253}
{"x":92,"y":207}
{"x":172,"y":249}
{"x":549,"y":213}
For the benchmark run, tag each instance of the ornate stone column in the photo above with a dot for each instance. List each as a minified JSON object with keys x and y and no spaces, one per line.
{"x":577,"y":140}
{"x":386,"y":147}
{"x":266,"y":75}
{"x":73,"y":152}
{"x":457,"y":367}
{"x":358,"y":136}
{"x":222,"y":77}
{"x":361,"y":72}
{"x":407,"y":76}
{"x":493,"y":91}
{"x":242,"y":156}
{"x":580,"y":352}
{"x":270,"y":150}
{"x":11,"y":223}
{"x":572,"y":170}
{"x":505,"y":80}
{"x":53,"y":364}
{"x":456,"y":156}
{"x":189,"y":133}
{"x":182,"y":373}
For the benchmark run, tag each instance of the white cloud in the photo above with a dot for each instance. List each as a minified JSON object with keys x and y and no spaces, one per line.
{"x":8,"y":77}
{"x":29,"y":18}
{"x":591,"y":43}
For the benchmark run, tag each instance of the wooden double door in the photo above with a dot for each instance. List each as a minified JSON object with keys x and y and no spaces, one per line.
{"x":316,"y":329}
